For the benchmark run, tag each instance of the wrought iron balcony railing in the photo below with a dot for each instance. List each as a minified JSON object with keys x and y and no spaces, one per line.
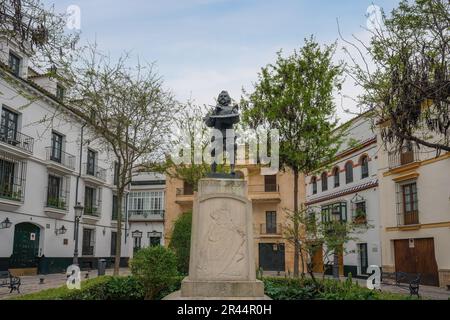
{"x":92,"y":209}
{"x":403,"y":157}
{"x":12,"y":190}
{"x":94,"y":171}
{"x":58,"y":200}
{"x":16,"y":139}
{"x":146,"y":214}
{"x":65,"y":159}
{"x":271,"y":229}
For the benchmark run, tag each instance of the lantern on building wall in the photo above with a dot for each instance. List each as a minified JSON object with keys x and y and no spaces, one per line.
{"x":6,"y":224}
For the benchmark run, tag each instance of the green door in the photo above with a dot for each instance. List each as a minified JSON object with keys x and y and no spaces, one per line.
{"x":26,"y":246}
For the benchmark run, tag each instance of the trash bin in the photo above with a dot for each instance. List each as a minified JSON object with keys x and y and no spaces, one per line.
{"x":101,"y":267}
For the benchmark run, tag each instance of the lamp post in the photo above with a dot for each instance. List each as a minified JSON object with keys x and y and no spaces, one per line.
{"x":78,"y":213}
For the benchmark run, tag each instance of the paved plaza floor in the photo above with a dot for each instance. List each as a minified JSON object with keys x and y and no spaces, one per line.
{"x":31,"y":284}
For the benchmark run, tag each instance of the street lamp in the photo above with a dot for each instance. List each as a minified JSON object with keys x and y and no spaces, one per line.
{"x":61,"y":230}
{"x":6,"y":224}
{"x":78,"y":213}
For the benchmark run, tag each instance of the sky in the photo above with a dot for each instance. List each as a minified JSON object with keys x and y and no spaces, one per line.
{"x":201,"y":47}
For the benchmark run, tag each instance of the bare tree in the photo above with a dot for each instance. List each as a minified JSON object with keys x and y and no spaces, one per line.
{"x":128,"y":109}
{"x":409,"y":87}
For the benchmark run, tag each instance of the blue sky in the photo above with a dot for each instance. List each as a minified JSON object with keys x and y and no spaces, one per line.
{"x":203,"y":46}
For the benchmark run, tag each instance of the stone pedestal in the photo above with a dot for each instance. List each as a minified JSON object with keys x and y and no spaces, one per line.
{"x":222,"y":261}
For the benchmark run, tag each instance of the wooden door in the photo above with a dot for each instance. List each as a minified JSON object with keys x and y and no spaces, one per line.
{"x":271,"y":256}
{"x":417,"y":256}
{"x":317,"y":259}
{"x":26,"y":246}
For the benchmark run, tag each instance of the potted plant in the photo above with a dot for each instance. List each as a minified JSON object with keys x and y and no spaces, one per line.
{"x":360,"y":217}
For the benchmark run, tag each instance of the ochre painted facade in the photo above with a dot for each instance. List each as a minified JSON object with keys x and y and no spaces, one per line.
{"x":265,"y":197}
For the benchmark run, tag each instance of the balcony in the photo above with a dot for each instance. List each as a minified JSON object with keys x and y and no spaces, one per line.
{"x":408,"y":219}
{"x":92,"y":211}
{"x":407,"y":155}
{"x":12,"y":193}
{"x":94,"y":174}
{"x":16,"y":142}
{"x":146,"y":215}
{"x":269,"y":193}
{"x":271,"y":230}
{"x":57,"y":204}
{"x":184,"y":196}
{"x":59,"y":160}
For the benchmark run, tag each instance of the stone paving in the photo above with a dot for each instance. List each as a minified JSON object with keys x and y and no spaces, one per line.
{"x":30,"y":284}
{"x":427,"y":292}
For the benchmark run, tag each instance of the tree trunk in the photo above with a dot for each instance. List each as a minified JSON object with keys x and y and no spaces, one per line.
{"x":296,"y":226}
{"x":119,"y":231}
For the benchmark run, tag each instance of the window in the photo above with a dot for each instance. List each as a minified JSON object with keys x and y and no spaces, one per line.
{"x":137,"y":243}
{"x":57,"y":144}
{"x":54,"y":191}
{"x":155,"y":241}
{"x":88,"y":242}
{"x":9,"y":121}
{"x":146,"y":202}
{"x":271,"y":222}
{"x":188,"y":188}
{"x":7,"y":185}
{"x":91,"y":162}
{"x":60,"y":91}
{"x":324,"y":178}
{"x":14,"y":63}
{"x":410,"y":203}
{"x":314,"y":185}
{"x":116,"y":173}
{"x":113,"y":243}
{"x":363,"y":259}
{"x":336,"y":177}
{"x":115,"y":208}
{"x":360,"y":214}
{"x":334,"y":212}
{"x":270,"y":183}
{"x":90,"y":201}
{"x":407,"y":153}
{"x":349,"y":172}
{"x":364,"y":167}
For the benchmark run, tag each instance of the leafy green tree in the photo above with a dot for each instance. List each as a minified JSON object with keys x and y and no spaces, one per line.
{"x":156,"y":268}
{"x":408,"y":87}
{"x":181,"y":241}
{"x":295,"y":96}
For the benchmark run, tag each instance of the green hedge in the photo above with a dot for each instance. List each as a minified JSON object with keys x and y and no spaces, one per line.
{"x":328,"y":289}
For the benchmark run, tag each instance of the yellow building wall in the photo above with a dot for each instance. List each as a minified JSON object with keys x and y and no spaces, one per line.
{"x":261,"y":202}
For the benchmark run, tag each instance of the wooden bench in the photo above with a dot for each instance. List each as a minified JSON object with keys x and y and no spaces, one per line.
{"x":413,"y":280}
{"x":9,"y":281}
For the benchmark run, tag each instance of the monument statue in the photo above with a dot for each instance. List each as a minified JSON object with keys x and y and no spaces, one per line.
{"x":222,"y":118}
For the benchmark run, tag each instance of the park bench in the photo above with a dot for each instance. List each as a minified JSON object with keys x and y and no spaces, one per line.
{"x":399,"y":278}
{"x":7,"y":280}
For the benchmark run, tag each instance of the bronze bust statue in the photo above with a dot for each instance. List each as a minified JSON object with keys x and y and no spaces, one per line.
{"x":223,"y":117}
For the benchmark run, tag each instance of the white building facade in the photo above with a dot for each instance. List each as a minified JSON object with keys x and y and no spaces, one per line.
{"x":49,"y":162}
{"x":347,"y":190}
{"x":146,"y":210}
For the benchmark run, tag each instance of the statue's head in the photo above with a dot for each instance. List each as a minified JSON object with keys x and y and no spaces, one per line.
{"x":224,"y":98}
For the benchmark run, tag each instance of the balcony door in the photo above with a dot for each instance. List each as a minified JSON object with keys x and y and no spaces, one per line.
{"x":57,"y":144}
{"x":410,"y":204}
{"x":271,"y":222}
{"x":9,"y":121}
{"x":54,"y":191}
{"x":270,"y":183}
{"x":91,"y":160}
{"x":88,"y":242}
{"x":7,"y":169}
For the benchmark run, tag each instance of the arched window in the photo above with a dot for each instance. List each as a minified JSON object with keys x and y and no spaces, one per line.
{"x":336,"y":177}
{"x":324,"y":178}
{"x":314,"y":185}
{"x":349,"y":172}
{"x":364,"y":167}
